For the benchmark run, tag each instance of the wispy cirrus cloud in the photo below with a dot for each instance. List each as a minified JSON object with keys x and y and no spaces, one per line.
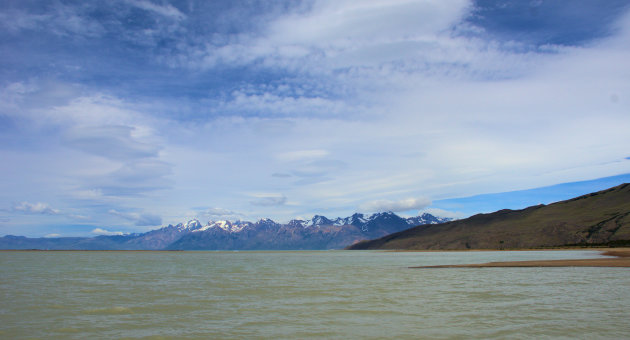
{"x":164,"y":10}
{"x":59,"y":19}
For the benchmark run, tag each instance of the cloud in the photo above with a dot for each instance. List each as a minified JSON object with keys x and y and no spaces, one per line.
{"x":342,"y":102}
{"x":148,"y":220}
{"x":219,"y":213}
{"x":272,"y":103}
{"x":110,"y":141}
{"x":319,"y":167}
{"x":302,"y":155}
{"x":78,"y":217}
{"x":125,"y":139}
{"x":396,"y":206}
{"x":317,"y":171}
{"x":164,"y":10}
{"x":99,"y":231}
{"x":337,"y":34}
{"x":35,"y":208}
{"x":61,"y":20}
{"x":139,"y":22}
{"x":52,"y":235}
{"x":139,"y":219}
{"x":135,"y":178}
{"x":269,"y":201}
{"x":443,"y":213}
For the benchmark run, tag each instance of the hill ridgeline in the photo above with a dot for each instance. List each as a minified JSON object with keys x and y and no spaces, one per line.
{"x":599,"y":218}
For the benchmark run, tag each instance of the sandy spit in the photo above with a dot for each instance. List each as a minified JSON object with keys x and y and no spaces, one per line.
{"x":621,"y":259}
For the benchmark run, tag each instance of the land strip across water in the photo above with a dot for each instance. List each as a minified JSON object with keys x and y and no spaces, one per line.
{"x":620,"y":257}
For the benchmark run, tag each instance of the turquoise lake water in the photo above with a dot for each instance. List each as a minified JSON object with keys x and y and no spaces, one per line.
{"x":307,"y":294}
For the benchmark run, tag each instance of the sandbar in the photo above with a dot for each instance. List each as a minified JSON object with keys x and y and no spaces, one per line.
{"x":621,"y":259}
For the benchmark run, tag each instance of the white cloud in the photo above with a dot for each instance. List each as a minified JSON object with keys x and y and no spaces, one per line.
{"x":135,"y":178}
{"x":111,"y":141}
{"x":164,"y":10}
{"x":61,"y":20}
{"x":35,"y":208}
{"x":119,"y":146}
{"x":336,"y":34}
{"x":443,"y":213}
{"x":342,"y":102}
{"x":79,"y":217}
{"x":52,"y":235}
{"x":396,"y":206}
{"x":269,"y":201}
{"x":139,"y":219}
{"x":338,"y":25}
{"x":277,"y":105}
{"x":302,"y":155}
{"x":218,"y":213}
{"x":99,"y":231}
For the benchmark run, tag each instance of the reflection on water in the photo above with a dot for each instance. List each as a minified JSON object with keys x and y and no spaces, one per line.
{"x":327,"y":294}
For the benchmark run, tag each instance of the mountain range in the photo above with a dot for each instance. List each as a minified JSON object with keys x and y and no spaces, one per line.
{"x":599,"y":218}
{"x":265,"y":234}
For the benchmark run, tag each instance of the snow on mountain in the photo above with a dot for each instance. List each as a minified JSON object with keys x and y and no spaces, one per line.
{"x":298,"y":223}
{"x":265,"y":234}
{"x":188,"y":226}
{"x":359,"y":220}
{"x":232,"y":227}
{"x":319,"y":232}
{"x":426,"y":219}
{"x":319,"y":220}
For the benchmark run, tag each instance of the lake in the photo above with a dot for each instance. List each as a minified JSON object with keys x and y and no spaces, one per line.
{"x":307,"y":294}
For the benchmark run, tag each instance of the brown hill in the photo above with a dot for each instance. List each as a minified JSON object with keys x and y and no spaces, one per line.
{"x":598,"y":218}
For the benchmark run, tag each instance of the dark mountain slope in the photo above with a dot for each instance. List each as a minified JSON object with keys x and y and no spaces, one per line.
{"x":597,"y":218}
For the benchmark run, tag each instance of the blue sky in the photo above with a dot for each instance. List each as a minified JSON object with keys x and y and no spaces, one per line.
{"x":122,"y":116}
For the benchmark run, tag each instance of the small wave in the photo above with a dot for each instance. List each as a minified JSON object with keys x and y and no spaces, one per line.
{"x":110,"y":310}
{"x":67,"y":330}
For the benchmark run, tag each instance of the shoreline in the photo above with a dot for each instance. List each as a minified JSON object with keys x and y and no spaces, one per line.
{"x":620,"y":257}
{"x":595,"y":248}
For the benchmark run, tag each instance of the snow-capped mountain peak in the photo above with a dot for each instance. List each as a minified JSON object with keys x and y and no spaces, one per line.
{"x":189,"y":226}
{"x":298,"y":223}
{"x":375,"y":221}
{"x":232,"y":227}
{"x":319,"y":220}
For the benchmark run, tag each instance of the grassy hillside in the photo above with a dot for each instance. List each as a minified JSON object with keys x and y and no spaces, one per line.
{"x":598,"y":218}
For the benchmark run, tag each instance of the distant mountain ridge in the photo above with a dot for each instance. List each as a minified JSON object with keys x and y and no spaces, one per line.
{"x":599,"y":218}
{"x":265,"y":234}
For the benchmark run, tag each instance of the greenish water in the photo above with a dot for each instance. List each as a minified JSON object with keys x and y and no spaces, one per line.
{"x":327,"y":294}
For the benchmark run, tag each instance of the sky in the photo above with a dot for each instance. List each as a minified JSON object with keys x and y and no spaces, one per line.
{"x":126,"y":115}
